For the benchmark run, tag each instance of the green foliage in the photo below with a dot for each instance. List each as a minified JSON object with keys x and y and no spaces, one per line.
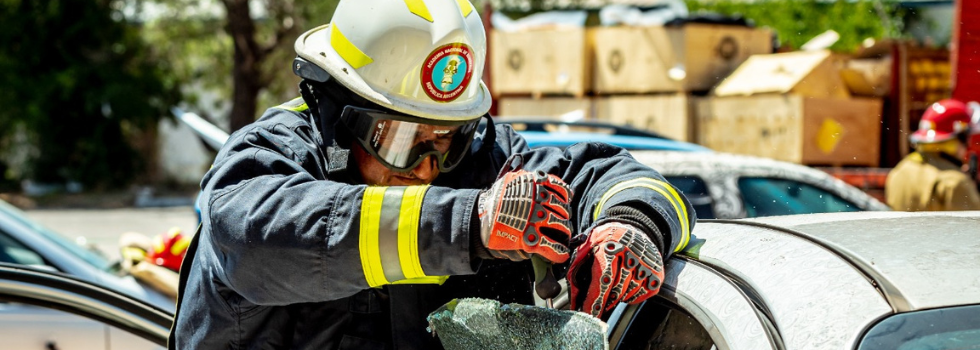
{"x":197,"y":47}
{"x":798,"y":21}
{"x":197,"y":43}
{"x":79,"y":86}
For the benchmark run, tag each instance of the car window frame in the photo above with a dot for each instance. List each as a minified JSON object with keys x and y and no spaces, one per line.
{"x":708,"y":195}
{"x":684,"y":297}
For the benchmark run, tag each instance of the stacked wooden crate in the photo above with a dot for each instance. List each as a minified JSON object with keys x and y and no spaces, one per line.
{"x":539,"y":72}
{"x":649,"y":77}
{"x":793,"y":107}
{"x":646,"y":77}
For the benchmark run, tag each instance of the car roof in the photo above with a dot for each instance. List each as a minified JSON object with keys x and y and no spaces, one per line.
{"x":564,"y":139}
{"x":916,"y":260}
{"x":930,"y":259}
{"x":710,"y":164}
{"x":550,"y":132}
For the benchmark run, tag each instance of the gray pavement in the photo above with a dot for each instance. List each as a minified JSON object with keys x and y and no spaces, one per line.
{"x":103,"y":227}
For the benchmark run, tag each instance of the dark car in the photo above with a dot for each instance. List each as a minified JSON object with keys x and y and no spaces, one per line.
{"x":25,"y":242}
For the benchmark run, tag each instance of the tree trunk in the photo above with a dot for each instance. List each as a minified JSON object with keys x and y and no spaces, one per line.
{"x":246,"y":74}
{"x":244,"y":99}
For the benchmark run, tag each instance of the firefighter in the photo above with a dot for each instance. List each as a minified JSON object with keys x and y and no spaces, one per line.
{"x":933,"y":177}
{"x":154,"y":261}
{"x":341,"y":219}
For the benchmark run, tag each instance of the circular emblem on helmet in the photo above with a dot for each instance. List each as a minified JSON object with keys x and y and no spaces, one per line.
{"x":447,"y":72}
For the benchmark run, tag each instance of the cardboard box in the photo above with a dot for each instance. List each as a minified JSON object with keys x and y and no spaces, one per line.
{"x":794,"y":128}
{"x":556,"y":107}
{"x":693,"y":57}
{"x":538,"y":61}
{"x":670,"y":115}
{"x":802,"y":73}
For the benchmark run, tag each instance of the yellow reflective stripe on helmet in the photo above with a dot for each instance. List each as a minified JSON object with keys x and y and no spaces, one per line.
{"x":368,"y":238}
{"x":346,"y":49}
{"x":665,"y":190}
{"x":295,"y":105}
{"x":388,"y":240}
{"x":408,"y":231}
{"x":465,"y":6}
{"x":418,"y":7}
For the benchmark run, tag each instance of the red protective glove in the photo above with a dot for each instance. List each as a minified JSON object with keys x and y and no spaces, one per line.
{"x":617,"y":263}
{"x":526,"y":213}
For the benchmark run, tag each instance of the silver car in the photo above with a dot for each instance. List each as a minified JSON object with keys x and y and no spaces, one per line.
{"x":41,"y":309}
{"x":883,"y":280}
{"x":730,"y":186}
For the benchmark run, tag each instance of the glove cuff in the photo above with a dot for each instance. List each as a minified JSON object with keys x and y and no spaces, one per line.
{"x":636,"y":218}
{"x":477,"y":248}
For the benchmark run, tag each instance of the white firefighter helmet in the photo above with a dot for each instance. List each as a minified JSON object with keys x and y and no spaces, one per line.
{"x":419,"y":57}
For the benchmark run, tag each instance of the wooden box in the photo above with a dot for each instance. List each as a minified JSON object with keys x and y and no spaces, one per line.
{"x":868,"y":76}
{"x":556,"y":107}
{"x":667,"y":114}
{"x":794,"y":128}
{"x":803,"y":73}
{"x":694,"y":57}
{"x":538,"y":61}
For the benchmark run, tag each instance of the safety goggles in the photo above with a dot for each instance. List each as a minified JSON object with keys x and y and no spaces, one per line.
{"x":401,"y":143}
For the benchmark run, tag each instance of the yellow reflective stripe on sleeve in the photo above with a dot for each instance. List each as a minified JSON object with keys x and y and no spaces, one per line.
{"x":465,"y":6}
{"x":388,"y":239}
{"x":408,"y":231}
{"x":368,"y":240}
{"x":388,"y":233}
{"x":665,"y":190}
{"x":424,"y":280}
{"x":346,"y":49}
{"x":418,"y":7}
{"x":295,"y":105}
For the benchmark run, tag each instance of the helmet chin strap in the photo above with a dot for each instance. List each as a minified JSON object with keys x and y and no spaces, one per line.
{"x":324,"y":100}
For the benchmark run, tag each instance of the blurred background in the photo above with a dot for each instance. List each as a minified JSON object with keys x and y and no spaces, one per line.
{"x":92,"y":90}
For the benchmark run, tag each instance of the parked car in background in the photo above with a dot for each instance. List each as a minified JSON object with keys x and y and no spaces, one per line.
{"x":865,"y":281}
{"x":729,"y":186}
{"x":556,"y":133}
{"x":26,"y":242}
{"x":41,"y":309}
{"x":719,"y":185}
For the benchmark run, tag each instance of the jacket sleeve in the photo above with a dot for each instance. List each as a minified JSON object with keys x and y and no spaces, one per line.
{"x":602,"y":177}
{"x":282,"y":234}
{"x":958,"y":191}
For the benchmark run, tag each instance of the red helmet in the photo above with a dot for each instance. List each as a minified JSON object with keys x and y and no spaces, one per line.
{"x":168,"y":249}
{"x":942,"y":121}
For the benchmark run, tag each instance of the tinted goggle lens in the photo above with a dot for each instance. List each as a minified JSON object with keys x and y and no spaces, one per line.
{"x":401,"y":144}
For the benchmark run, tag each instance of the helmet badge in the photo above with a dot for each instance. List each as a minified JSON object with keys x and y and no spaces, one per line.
{"x":447,"y":72}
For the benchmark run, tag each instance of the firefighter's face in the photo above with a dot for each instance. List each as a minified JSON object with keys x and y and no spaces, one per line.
{"x":376,"y":174}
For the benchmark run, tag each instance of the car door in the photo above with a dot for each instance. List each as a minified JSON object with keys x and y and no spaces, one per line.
{"x":46,"y":310}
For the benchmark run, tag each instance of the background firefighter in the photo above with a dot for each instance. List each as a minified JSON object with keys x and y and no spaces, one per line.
{"x":934,"y":177}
